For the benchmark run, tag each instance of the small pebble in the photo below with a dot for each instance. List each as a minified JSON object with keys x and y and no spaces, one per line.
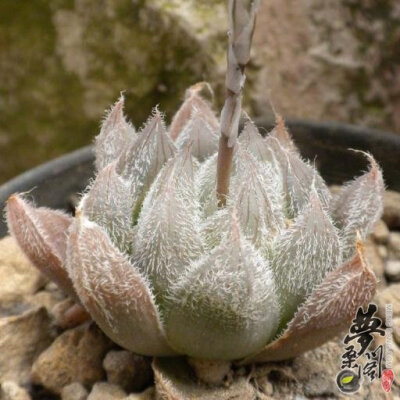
{"x":74,"y":391}
{"x":265,"y":385}
{"x":148,"y":394}
{"x":391,"y":211}
{"x":383,"y":251}
{"x":394,"y":243}
{"x":106,"y":391}
{"x":12,"y":391}
{"x":388,"y":295}
{"x":75,"y":356}
{"x":392,"y":270}
{"x":381,"y":232}
{"x":130,"y":371}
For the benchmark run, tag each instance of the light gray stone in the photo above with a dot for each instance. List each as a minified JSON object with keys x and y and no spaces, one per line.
{"x":10,"y":390}
{"x":383,"y":251}
{"x":392,"y":270}
{"x":74,"y":391}
{"x":381,"y":232}
{"x":147,"y":394}
{"x":394,"y":244}
{"x":106,"y":391}
{"x":18,"y":276}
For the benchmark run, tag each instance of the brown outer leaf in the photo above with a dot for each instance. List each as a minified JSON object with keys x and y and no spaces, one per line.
{"x":42,"y":235}
{"x":327,"y":312}
{"x":113,"y":291}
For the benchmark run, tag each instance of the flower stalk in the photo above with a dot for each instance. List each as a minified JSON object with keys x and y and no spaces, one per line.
{"x":242,"y":17}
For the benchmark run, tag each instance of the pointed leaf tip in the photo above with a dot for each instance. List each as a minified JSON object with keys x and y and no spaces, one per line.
{"x":198,"y":132}
{"x":115,"y":134}
{"x":109,"y":202}
{"x":142,"y":160}
{"x":298,"y":178}
{"x":194,"y":101}
{"x":258,"y":199}
{"x":42,"y":234}
{"x":359,"y":206}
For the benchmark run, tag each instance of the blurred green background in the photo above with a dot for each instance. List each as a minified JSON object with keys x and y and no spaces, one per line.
{"x":63,"y":62}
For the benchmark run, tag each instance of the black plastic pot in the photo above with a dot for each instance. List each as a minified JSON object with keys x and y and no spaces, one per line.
{"x":54,"y":183}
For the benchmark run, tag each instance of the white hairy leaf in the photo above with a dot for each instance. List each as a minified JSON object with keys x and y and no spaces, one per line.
{"x":258,"y":200}
{"x":200,"y":135}
{"x":326,"y":312}
{"x":304,"y":254}
{"x":206,"y":186}
{"x":281,"y":133}
{"x":168,"y":236}
{"x":298,"y":178}
{"x":215,"y":227}
{"x":109,"y":203}
{"x":359,"y":206}
{"x":113,"y":291}
{"x":251,"y":140}
{"x":115,"y":134}
{"x":141,"y":161}
{"x":225,"y":305}
{"x":193,"y":101}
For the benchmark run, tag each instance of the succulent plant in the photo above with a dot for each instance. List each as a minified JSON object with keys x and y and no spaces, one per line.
{"x":218,"y":248}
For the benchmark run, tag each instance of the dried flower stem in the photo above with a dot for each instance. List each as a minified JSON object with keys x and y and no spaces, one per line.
{"x":242,"y":15}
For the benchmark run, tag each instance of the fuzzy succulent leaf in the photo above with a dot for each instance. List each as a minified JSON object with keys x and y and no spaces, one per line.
{"x":42,"y":235}
{"x":298,"y":179}
{"x":200,"y":135}
{"x":258,"y":200}
{"x":281,"y":133}
{"x":109,"y":203}
{"x":193,"y":102}
{"x":251,"y":140}
{"x":114,"y":135}
{"x":142,"y":160}
{"x":327,"y":312}
{"x":206,"y":186}
{"x":359,"y":206}
{"x":214,"y":228}
{"x":304,"y":254}
{"x":231,"y":309}
{"x":114,"y":292}
{"x":168,"y":236}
